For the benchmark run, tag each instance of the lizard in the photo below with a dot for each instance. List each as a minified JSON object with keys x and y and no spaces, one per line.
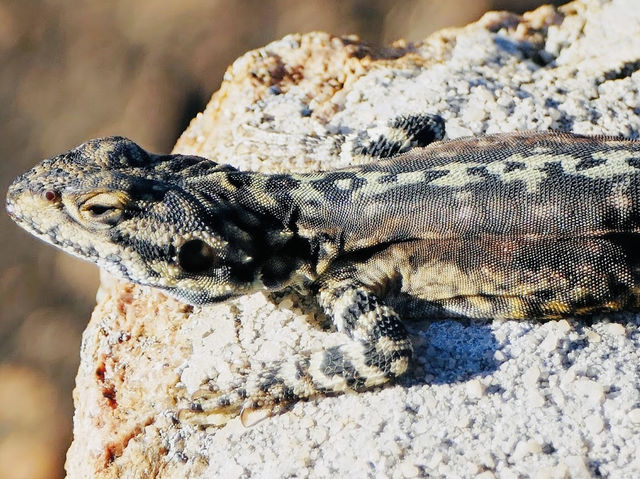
{"x":509,"y":226}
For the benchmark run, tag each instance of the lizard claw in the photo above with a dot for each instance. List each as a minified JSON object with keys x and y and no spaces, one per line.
{"x":210,"y":407}
{"x":216,"y":408}
{"x":205,"y":410}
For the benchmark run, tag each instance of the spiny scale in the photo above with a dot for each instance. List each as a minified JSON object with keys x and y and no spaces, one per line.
{"x":522,"y":225}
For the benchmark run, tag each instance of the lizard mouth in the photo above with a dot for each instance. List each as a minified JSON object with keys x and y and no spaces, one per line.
{"x":10,"y":203}
{"x":52,"y":236}
{"x":43,"y":226}
{"x":198,"y":298}
{"x":86,"y":253}
{"x":10,"y":208}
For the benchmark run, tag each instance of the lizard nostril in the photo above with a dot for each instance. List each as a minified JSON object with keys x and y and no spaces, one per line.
{"x":51,"y":195}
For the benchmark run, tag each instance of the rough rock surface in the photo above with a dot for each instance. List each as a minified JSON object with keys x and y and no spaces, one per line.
{"x":503,"y":399}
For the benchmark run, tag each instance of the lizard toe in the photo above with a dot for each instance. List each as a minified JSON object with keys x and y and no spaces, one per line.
{"x":218,"y":408}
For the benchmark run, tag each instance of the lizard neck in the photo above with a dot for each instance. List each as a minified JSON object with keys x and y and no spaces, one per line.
{"x":262,"y":216}
{"x":297,"y":243}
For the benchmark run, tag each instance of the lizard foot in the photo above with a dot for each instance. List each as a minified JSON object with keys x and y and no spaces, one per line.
{"x":212,"y":407}
{"x":378,"y":351}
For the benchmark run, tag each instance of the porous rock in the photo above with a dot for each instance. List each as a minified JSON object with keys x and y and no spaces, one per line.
{"x":279,"y":109}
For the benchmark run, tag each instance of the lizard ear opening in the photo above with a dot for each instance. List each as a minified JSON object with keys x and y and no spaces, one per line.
{"x":196,"y":256}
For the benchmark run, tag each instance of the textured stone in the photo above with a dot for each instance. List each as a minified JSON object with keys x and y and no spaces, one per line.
{"x":279,"y":109}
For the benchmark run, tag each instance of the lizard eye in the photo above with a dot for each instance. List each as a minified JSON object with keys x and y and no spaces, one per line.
{"x":98,"y":210}
{"x":102,"y":209}
{"x":196,"y":256}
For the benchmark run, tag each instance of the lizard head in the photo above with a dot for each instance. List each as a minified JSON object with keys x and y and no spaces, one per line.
{"x":160,"y":220}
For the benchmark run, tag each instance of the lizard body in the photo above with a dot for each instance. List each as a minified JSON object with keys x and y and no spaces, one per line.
{"x":522,"y":225}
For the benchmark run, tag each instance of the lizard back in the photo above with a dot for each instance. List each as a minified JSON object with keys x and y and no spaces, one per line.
{"x":503,"y":226}
{"x":519,"y":185}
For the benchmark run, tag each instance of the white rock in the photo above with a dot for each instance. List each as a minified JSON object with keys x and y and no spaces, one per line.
{"x":615,"y":329}
{"x":634,"y":416}
{"x":475,"y":389}
{"x":590,"y":389}
{"x":525,"y":448}
{"x":531,"y":376}
{"x":578,"y":467}
{"x":594,"y":424}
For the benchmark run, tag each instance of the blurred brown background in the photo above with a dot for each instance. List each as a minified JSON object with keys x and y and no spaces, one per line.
{"x":74,"y":70}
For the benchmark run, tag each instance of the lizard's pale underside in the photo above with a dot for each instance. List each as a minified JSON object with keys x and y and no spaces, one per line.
{"x":521,"y":225}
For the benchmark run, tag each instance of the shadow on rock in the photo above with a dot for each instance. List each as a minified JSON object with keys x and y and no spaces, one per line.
{"x":450,"y":351}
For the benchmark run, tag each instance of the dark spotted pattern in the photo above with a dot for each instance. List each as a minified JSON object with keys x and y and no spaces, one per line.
{"x":519,"y":225}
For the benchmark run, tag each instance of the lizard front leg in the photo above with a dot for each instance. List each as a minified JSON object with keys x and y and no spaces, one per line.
{"x":378,"y":350}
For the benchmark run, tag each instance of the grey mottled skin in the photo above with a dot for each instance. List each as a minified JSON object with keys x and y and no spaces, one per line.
{"x":522,"y":225}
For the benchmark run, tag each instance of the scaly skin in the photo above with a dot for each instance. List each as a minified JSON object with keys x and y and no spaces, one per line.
{"x":523,"y":225}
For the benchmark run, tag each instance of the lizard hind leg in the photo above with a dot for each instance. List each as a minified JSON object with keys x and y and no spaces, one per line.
{"x":378,"y":350}
{"x":402,"y":134}
{"x":421,"y":129}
